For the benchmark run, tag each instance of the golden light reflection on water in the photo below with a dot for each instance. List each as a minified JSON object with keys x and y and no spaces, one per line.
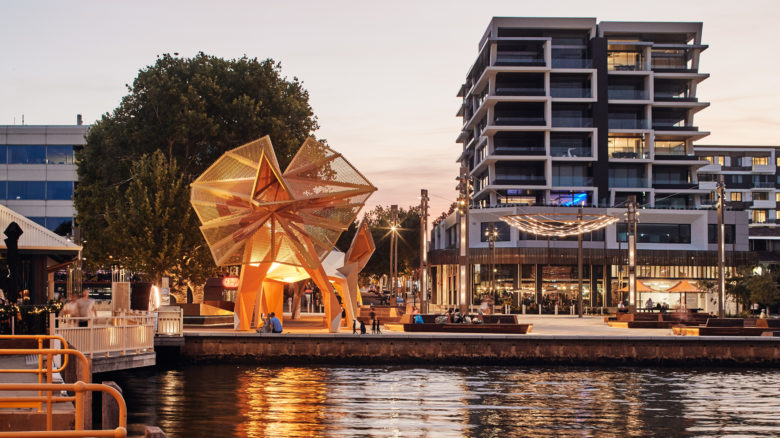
{"x":285,"y":402}
{"x":253,"y":401}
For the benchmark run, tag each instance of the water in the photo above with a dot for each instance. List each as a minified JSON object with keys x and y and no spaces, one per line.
{"x":257,"y":401}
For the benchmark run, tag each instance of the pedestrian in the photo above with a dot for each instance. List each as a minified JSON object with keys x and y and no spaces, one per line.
{"x":373,"y":326}
{"x":362,"y":328}
{"x":379,"y":332}
{"x":85,"y":308}
{"x":354,"y":327}
{"x":276,"y":325}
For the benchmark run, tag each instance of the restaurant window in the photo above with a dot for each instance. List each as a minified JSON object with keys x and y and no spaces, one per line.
{"x":760,"y":196}
{"x":759,"y":216}
{"x":778,"y":161}
{"x":777,"y":197}
{"x":737,"y":196}
{"x":760,"y":161}
{"x":729,"y":231}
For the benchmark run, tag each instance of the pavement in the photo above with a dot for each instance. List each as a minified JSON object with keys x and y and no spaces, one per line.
{"x":543,"y":325}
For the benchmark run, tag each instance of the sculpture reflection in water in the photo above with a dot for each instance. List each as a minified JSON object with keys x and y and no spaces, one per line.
{"x":281,"y":227}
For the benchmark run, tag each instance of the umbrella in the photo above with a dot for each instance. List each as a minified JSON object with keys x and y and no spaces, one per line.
{"x":640,"y":287}
{"x":684,"y":287}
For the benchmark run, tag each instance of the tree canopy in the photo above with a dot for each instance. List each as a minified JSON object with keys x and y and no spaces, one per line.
{"x":190,"y":110}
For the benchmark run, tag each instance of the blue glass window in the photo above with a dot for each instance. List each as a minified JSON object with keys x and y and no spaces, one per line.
{"x":59,"y":154}
{"x":2,"y":190}
{"x":32,"y":154}
{"x":38,"y":220}
{"x":3,"y":152}
{"x":59,"y":190}
{"x":53,"y":223}
{"x":26,"y":190}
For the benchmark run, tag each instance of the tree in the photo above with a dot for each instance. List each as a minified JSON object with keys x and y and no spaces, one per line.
{"x":146,"y":219}
{"x":191,"y":110}
{"x":408,"y":241}
{"x":750,"y":288}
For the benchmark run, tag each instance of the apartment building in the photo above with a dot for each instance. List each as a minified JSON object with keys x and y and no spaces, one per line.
{"x":571,"y":112}
{"x":38,"y":171}
{"x":752,"y":183}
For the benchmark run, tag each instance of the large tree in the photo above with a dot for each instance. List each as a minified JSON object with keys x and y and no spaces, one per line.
{"x":191,"y":110}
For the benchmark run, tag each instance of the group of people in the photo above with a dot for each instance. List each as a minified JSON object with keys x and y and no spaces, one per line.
{"x":359,"y":325}
{"x":83,"y":307}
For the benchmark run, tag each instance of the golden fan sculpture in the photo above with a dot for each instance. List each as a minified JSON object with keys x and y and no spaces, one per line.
{"x":278,"y":226}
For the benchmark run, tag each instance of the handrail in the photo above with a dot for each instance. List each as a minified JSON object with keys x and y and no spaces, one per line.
{"x":115,"y":334}
{"x":40,"y":339}
{"x":50,"y":353}
{"x":79,"y":388}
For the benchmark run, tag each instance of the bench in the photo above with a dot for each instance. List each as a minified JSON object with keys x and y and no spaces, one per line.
{"x":725,"y":322}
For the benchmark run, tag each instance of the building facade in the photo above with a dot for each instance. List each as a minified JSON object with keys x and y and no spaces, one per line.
{"x":38,"y":172}
{"x":569,"y":112}
{"x":752,"y":182}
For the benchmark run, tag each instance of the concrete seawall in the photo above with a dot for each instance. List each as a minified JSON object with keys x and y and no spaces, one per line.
{"x":483,"y":349}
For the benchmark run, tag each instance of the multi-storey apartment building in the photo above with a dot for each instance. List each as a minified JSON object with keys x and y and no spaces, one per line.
{"x":38,"y":171}
{"x":563,"y":112}
{"x":752,"y":182}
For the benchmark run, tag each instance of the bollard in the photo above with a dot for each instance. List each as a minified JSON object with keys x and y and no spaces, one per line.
{"x":556,"y":310}
{"x":540,"y":308}
{"x":571,"y":310}
{"x":154,"y":432}
{"x":110,"y":408}
{"x":523,"y":309}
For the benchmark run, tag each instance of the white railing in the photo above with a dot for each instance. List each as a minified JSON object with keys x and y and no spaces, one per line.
{"x":170,"y":320}
{"x":130,"y":333}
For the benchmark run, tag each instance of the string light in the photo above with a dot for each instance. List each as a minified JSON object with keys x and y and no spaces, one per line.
{"x":559,"y":224}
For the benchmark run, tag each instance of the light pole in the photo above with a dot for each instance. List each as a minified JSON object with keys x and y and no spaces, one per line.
{"x":423,"y":277}
{"x":492,"y":234}
{"x":393,"y":249}
{"x":721,"y":249}
{"x":464,"y":266}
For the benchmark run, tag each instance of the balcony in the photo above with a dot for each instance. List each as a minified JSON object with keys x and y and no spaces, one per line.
{"x":572,"y":181}
{"x":570,"y":92}
{"x":519,"y":180}
{"x":571,"y":152}
{"x":520,"y":150}
{"x":518,"y":90}
{"x":625,"y":60}
{"x":623,"y":183}
{"x":571,"y":62}
{"x":520,"y":54}
{"x":627,"y":123}
{"x":509,"y":120}
{"x":663,"y":126}
{"x":572,"y":122}
{"x":764,"y":204}
{"x":708,"y":185}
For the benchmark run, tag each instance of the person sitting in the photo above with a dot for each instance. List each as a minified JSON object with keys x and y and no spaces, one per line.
{"x":276,"y":325}
{"x":457,"y":318}
{"x":649,"y":304}
{"x":621,"y":307}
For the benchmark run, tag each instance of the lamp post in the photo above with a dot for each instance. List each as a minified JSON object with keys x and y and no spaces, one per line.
{"x":492,"y":234}
{"x":631,"y":238}
{"x":721,"y":249}
{"x":464,"y":266}
{"x":393,"y":249}
{"x":423,"y":277}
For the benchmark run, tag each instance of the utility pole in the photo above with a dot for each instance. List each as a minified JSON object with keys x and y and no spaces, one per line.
{"x":464,"y":266}
{"x":721,"y":249}
{"x":423,"y":251}
{"x":393,"y":249}
{"x":579,"y":264}
{"x":631,"y":237}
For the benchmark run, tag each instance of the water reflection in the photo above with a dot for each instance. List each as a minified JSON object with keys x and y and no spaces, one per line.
{"x":226,"y":400}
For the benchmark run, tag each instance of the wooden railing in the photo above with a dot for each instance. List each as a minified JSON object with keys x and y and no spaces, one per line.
{"x":170,"y":320}
{"x":131,"y":333}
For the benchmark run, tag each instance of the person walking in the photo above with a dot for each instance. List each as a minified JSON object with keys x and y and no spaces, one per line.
{"x":85,"y":307}
{"x":378,"y":331}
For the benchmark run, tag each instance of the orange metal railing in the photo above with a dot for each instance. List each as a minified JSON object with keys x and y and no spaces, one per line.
{"x":49,"y":353}
{"x":79,"y":388}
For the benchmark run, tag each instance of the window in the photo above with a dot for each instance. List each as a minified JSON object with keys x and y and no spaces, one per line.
{"x":626,"y":147}
{"x":502,"y":228}
{"x":61,"y":225}
{"x":777,"y":197}
{"x":729,"y":232}
{"x":760,"y":161}
{"x":627,"y":176}
{"x":33,"y":154}
{"x":759,"y":216}
{"x":19,"y":190}
{"x":778,"y":161}
{"x":760,"y":196}
{"x":59,"y":190}
{"x":737,"y":196}
{"x":59,"y":154}
{"x":657,"y":233}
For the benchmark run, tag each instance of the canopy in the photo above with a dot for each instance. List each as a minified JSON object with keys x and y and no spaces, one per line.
{"x":640,"y":287}
{"x":683,"y":287}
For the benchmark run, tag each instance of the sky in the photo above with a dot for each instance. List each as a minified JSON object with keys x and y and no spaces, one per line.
{"x":382,"y":76}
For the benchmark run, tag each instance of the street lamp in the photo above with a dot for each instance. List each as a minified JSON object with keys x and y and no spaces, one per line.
{"x":492,"y":234}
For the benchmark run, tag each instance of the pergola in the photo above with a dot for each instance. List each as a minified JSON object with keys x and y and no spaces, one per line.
{"x":563,"y":225}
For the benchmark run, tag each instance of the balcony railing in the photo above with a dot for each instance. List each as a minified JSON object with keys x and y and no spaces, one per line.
{"x":571,"y":181}
{"x":628,"y":153}
{"x":627,"y":94}
{"x":571,"y":63}
{"x":627,"y":124}
{"x":572,"y":122}
{"x":519,"y":150}
{"x":628,"y":183}
{"x":519,"y":121}
{"x":509,"y":59}
{"x":510,"y":90}
{"x":675,"y":185}
{"x":570,"y":92}
{"x":673,"y":127}
{"x":576,"y":151}
{"x":519,"y":180}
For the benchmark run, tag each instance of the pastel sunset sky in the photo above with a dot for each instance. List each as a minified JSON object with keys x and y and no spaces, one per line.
{"x":382,"y":76}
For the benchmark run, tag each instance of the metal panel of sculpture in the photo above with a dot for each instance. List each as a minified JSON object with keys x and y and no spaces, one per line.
{"x":278,"y":225}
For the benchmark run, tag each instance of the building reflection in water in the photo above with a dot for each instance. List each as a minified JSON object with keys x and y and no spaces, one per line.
{"x":229,"y":400}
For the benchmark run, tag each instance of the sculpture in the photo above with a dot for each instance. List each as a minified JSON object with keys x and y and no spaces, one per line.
{"x":278,"y":226}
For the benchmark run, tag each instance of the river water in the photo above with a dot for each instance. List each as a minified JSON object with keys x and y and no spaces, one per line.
{"x":257,"y":401}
